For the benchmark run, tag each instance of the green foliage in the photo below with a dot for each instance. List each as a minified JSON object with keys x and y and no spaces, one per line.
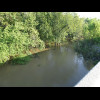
{"x":88,"y":49}
{"x":52,"y":26}
{"x":89,"y":46}
{"x":18,"y":34}
{"x":23,"y":59}
{"x":91,"y":28}
{"x":44,"y":28}
{"x":74,"y":26}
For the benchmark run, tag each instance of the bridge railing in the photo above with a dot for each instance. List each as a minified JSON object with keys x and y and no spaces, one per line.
{"x":92,"y":79}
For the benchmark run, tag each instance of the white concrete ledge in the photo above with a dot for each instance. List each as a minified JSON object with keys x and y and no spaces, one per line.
{"x":92,"y":79}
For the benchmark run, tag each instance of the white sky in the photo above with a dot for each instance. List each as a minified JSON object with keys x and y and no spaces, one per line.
{"x":89,"y":14}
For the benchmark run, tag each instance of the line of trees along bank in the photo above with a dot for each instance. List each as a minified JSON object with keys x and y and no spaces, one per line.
{"x":22,"y":31}
{"x":56,"y":26}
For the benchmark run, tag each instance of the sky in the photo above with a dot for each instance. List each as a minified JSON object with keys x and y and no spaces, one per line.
{"x":89,"y":14}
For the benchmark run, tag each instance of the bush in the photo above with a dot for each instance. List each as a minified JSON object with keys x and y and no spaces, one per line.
{"x":21,"y":60}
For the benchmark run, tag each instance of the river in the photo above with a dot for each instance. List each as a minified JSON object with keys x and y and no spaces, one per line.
{"x":57,"y":67}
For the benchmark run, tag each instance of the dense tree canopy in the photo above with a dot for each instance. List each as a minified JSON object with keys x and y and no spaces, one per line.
{"x":17,"y":34}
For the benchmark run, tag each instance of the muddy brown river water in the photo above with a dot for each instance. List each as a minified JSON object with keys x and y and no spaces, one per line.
{"x":58,"y":67}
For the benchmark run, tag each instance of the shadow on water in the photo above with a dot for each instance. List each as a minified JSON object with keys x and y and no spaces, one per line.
{"x":58,"y":67}
{"x":20,"y":60}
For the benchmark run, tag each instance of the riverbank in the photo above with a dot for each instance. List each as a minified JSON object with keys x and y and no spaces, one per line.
{"x":89,"y":49}
{"x":25,"y":58}
{"x":37,"y":50}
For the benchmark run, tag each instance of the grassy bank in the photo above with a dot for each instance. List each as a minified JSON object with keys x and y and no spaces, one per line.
{"x":24,"y":58}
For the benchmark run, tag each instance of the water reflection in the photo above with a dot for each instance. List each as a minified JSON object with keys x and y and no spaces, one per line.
{"x":57,"y":67}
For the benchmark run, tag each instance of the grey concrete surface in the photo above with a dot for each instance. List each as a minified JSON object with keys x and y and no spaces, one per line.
{"x":92,"y":79}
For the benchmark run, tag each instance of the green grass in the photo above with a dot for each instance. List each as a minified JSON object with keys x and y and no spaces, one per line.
{"x":21,"y":60}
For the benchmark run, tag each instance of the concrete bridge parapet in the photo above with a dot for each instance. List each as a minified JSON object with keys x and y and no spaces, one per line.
{"x":92,"y":79}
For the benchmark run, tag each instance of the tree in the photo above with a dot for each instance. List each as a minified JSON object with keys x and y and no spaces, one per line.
{"x":18,"y":34}
{"x":52,"y":26}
